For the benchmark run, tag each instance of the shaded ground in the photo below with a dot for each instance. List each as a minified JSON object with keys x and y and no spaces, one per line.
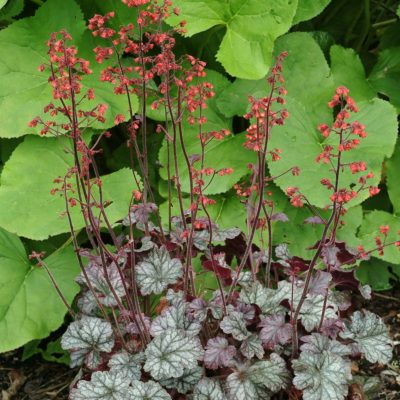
{"x":33,"y":379}
{"x":36,"y":379}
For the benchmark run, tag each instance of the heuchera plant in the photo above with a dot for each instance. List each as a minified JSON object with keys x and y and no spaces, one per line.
{"x":278,"y":324}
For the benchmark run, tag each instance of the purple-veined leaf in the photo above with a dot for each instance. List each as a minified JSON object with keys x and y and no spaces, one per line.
{"x":218,"y":353}
{"x":275,"y":330}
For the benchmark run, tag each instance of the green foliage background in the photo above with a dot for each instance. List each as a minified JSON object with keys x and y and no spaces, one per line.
{"x":330,"y":43}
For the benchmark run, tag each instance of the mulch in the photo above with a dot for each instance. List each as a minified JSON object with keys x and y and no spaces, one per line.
{"x":36,"y":379}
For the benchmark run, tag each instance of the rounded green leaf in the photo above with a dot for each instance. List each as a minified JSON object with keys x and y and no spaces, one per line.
{"x":226,"y":153}
{"x":27,"y":180}
{"x":301,"y":144}
{"x":308,"y":9}
{"x":305,"y":64}
{"x":348,"y":70}
{"x":378,"y":274}
{"x":23,"y":48}
{"x":251,"y":29}
{"x":385,"y":76}
{"x":11,"y":9}
{"x":30,"y":307}
{"x":392,"y":178}
{"x":370,"y":229}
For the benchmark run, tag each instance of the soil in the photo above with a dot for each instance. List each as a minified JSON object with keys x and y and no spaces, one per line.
{"x":36,"y":379}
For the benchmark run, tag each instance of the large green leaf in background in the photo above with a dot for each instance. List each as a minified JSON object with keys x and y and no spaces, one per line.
{"x":307,"y":79}
{"x":27,"y":178}
{"x":370,"y":229}
{"x":385,"y":76}
{"x":301,"y":143}
{"x":348,"y":70}
{"x":227,"y":153}
{"x":299,"y":244}
{"x":24,"y":91}
{"x":123,"y":14}
{"x":11,"y":9}
{"x":392,"y":169}
{"x":251,"y":29}
{"x":378,"y":274}
{"x":29,"y":305}
{"x":308,"y":9}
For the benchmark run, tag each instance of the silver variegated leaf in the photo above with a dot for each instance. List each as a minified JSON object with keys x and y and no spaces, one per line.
{"x":175,"y":297}
{"x":238,"y":388}
{"x":147,"y":245}
{"x":371,"y":336}
{"x":218,"y":353}
{"x":311,"y":311}
{"x":186,"y":382}
{"x":201,"y":239}
{"x":271,"y":373}
{"x":220,"y":235}
{"x":128,"y":364}
{"x":86,"y":338}
{"x":149,"y":390}
{"x":87,"y":303}
{"x":168,"y":355}
{"x":252,"y":347}
{"x":323,"y":375}
{"x":235,"y":325}
{"x":157,"y":271}
{"x":175,"y":318}
{"x":208,"y":389}
{"x":101,"y":280}
{"x":103,"y":385}
{"x":316,"y":343}
{"x":282,"y":251}
{"x":267,"y":299}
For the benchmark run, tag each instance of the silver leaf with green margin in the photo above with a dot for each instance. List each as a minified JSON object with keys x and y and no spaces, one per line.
{"x":186,"y":382}
{"x":86,"y":338}
{"x":168,"y":355}
{"x":103,"y":385}
{"x":128,"y":364}
{"x":208,"y":389}
{"x":157,"y":271}
{"x":324,"y":375}
{"x":235,"y":325}
{"x":371,"y":336}
{"x":146,"y":391}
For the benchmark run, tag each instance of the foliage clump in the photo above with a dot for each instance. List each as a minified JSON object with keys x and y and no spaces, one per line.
{"x":277,"y":323}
